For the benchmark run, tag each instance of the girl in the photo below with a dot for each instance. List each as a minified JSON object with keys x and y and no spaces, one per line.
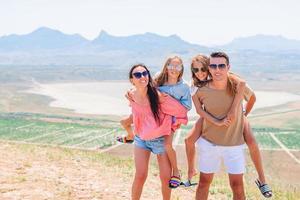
{"x":170,"y":81}
{"x":152,"y":114}
{"x":200,"y":76}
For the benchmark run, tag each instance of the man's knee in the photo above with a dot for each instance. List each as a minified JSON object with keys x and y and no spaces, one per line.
{"x":205,"y":181}
{"x":237,"y":184}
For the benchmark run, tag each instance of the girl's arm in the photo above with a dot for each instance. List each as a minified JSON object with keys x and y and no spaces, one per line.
{"x":171,"y":106}
{"x":207,"y":116}
{"x":240,"y":85}
{"x":186,"y":100}
{"x":249,"y":104}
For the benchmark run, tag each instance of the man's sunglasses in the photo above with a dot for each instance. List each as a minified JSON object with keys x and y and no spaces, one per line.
{"x":215,"y":66}
{"x":196,"y":70}
{"x":139,"y":75}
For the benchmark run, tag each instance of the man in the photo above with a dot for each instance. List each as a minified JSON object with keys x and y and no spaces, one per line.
{"x":221,"y":142}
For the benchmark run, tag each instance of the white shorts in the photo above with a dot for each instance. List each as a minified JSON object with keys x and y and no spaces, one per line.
{"x":211,"y":155}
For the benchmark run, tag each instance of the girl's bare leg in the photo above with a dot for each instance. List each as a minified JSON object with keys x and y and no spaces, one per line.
{"x":171,"y":154}
{"x":190,"y":140}
{"x":254,"y":151}
{"x":126,"y":124}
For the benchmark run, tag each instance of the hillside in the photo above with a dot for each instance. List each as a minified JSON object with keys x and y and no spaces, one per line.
{"x":41,"y":172}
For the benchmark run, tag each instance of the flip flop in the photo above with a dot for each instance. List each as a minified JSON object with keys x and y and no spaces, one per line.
{"x":188,"y":183}
{"x":264,"y":189}
{"x":124,"y":139}
{"x":174,"y":182}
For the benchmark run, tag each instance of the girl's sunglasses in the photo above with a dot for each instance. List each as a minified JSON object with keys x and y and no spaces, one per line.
{"x":176,"y":67}
{"x":196,"y":70}
{"x":139,"y":75}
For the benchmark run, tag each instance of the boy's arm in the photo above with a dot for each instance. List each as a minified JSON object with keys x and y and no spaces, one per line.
{"x":207,"y":116}
{"x":240,"y":85}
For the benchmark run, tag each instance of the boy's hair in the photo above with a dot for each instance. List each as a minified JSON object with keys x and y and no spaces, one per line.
{"x":162,"y":77}
{"x":220,"y":54}
{"x":231,"y":87}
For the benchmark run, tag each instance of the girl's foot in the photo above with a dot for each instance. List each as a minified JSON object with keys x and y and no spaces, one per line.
{"x":192,"y":173}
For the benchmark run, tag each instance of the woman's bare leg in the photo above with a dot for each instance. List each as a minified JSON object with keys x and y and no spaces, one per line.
{"x":141,"y":160}
{"x":165,"y":175}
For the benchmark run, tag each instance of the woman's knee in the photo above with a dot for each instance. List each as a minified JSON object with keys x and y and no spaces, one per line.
{"x":141,"y":176}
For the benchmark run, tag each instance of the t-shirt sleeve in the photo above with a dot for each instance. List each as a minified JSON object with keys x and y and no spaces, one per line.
{"x":248,"y":92}
{"x":186,"y":99}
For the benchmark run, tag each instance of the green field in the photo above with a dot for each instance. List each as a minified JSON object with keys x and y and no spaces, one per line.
{"x":76,"y":132}
{"x":93,"y":133}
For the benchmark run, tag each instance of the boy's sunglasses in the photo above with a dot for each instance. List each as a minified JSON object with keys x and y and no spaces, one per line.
{"x":215,"y":66}
{"x":196,"y":70}
{"x":177,"y":67}
{"x":139,"y":75}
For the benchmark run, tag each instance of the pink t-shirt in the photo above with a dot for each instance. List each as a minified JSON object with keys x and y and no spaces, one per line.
{"x":144,"y":122}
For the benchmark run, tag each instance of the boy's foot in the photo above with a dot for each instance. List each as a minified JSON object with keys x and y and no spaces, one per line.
{"x":264,"y":189}
{"x":124,"y":139}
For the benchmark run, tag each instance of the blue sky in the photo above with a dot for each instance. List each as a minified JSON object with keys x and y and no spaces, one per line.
{"x":206,"y":22}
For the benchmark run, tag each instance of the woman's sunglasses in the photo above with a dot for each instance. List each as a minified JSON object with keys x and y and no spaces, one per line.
{"x":196,"y":70}
{"x":139,"y":75}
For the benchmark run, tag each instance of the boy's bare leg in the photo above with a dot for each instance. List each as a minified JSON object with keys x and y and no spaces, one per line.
{"x":254,"y":151}
{"x":237,"y":186}
{"x":190,"y":140}
{"x":203,"y":186}
{"x":126,"y":124}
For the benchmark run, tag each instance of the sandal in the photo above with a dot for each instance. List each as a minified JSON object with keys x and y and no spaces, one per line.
{"x":264,"y":189}
{"x":174,"y":182}
{"x":124,"y":139}
{"x":188,"y":183}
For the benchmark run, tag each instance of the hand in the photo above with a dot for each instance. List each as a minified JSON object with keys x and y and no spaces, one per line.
{"x":224,"y":122}
{"x":128,"y":95}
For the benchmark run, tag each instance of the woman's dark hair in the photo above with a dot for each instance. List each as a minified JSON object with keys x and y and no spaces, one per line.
{"x":151,"y":92}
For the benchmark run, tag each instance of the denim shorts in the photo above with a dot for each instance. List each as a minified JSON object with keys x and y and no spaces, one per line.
{"x":156,"y":146}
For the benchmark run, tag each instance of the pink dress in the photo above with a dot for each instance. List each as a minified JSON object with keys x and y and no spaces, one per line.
{"x":144,"y":122}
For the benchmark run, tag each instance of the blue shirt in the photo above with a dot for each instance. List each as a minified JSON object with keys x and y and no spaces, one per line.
{"x":180,"y":91}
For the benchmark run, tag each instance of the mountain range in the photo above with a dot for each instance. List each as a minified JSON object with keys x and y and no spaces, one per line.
{"x":63,"y":52}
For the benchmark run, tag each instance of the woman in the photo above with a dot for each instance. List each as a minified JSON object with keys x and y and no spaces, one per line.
{"x":152,"y":114}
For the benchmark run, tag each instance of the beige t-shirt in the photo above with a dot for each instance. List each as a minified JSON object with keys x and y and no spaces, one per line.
{"x":217,"y":103}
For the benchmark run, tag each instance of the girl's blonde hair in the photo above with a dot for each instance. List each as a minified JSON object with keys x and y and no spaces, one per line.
{"x":162,"y":78}
{"x":204,"y":60}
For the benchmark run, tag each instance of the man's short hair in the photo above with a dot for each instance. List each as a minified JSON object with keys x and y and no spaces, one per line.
{"x":220,"y":54}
